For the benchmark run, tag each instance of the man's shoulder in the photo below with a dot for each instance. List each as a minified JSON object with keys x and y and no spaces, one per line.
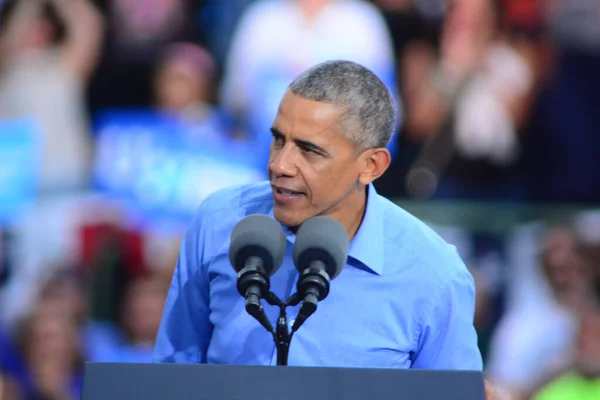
{"x":247,"y":198}
{"x":413,"y":237}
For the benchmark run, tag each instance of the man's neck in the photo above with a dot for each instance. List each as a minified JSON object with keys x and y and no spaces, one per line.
{"x":358,"y":215}
{"x":351,"y":211}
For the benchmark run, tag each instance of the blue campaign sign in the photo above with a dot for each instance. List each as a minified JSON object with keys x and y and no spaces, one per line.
{"x":162,"y":168}
{"x":19,"y":167}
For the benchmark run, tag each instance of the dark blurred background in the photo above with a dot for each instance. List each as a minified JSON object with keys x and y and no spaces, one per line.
{"x":117,"y":117}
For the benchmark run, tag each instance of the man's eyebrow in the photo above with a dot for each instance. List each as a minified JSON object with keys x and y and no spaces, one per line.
{"x":305,"y":144}
{"x":311,"y":146}
{"x":276,"y":132}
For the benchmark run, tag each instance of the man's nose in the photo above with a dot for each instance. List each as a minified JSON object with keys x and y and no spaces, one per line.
{"x":283,"y":162}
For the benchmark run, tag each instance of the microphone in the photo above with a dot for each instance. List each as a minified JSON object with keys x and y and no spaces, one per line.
{"x":320,"y":254}
{"x":256,"y":252}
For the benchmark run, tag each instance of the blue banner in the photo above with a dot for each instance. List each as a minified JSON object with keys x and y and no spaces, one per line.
{"x":19,"y":167}
{"x":162,"y":168}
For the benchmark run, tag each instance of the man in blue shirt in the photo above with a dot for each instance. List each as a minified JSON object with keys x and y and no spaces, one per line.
{"x":404,"y":300}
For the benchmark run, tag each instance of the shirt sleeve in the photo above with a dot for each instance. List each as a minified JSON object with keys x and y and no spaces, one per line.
{"x":448,"y":339}
{"x":185,"y":329}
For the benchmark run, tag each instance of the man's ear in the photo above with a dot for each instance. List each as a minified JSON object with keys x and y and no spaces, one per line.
{"x":376,"y":162}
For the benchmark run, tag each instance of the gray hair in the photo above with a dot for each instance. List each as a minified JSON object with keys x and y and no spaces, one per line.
{"x":369,"y":116}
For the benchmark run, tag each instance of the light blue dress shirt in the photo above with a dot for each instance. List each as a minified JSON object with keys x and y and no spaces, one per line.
{"x":404,"y":300}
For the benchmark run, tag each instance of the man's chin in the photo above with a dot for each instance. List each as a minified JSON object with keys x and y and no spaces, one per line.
{"x":287,"y":218}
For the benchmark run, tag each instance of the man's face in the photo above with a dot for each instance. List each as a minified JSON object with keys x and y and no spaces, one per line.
{"x":313,"y":167}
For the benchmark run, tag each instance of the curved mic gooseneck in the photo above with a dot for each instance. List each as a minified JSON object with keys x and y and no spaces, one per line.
{"x":253,"y":284}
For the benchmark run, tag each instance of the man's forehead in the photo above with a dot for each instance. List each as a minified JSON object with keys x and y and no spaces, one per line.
{"x":301,"y":116}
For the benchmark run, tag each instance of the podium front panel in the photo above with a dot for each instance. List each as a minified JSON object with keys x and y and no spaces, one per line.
{"x":122,"y":381}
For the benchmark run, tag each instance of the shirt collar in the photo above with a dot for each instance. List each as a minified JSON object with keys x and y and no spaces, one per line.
{"x":366,"y":246}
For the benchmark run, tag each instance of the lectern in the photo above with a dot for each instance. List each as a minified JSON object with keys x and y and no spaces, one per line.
{"x":121,"y":381}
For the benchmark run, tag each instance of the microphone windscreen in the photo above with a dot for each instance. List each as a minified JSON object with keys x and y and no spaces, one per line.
{"x":257,"y":235}
{"x":322,"y":238}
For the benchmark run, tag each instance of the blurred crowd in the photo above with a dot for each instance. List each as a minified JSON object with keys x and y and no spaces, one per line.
{"x":498,"y":102}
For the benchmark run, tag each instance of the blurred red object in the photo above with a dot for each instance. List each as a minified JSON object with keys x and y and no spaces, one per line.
{"x":524,"y":14}
{"x":97,"y":239}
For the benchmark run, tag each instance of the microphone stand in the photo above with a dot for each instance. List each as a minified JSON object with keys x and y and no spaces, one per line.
{"x":282,"y":336}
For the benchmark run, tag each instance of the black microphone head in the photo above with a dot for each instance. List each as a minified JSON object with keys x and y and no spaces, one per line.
{"x":258,"y":235}
{"x":322,"y":238}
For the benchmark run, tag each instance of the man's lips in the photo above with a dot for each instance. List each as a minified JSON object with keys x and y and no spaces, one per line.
{"x":285,"y":190}
{"x":286,"y":196}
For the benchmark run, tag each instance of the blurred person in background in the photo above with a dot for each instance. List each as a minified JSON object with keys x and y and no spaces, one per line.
{"x":4,"y":260}
{"x":183,"y":81}
{"x":563,"y":138}
{"x":570,"y":273}
{"x":533,"y":343}
{"x":184,"y":86}
{"x":137,"y":32}
{"x":141,"y":26}
{"x":65,"y":289}
{"x":141,"y":311}
{"x":276,"y":40}
{"x":60,"y":296}
{"x":485,"y":310}
{"x":218,"y":21}
{"x":582,"y":380}
{"x":8,"y":390}
{"x":467,"y":105}
{"x":48,"y":49}
{"x":59,"y":309}
{"x":50,"y":344}
{"x":11,"y":363}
